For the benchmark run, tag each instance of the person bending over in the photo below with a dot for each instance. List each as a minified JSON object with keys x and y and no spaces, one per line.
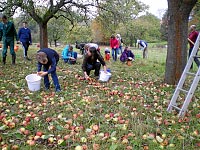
{"x":127,"y":55}
{"x":48,"y":58}
{"x":68,"y":55}
{"x":90,"y":62}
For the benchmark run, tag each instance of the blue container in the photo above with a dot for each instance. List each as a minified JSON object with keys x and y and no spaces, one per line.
{"x":108,"y":70}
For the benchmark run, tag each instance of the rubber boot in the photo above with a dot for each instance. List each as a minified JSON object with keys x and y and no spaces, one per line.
{"x":13,"y":59}
{"x":26,"y":58}
{"x":4,"y":60}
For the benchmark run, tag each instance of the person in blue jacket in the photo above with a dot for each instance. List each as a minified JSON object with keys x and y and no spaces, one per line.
{"x":47,"y":57}
{"x":144,"y":45}
{"x":68,"y":55}
{"x":24,"y":35}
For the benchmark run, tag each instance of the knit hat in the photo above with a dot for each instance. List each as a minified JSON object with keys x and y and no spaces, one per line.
{"x":118,"y":35}
{"x":192,"y":27}
{"x":106,"y":49}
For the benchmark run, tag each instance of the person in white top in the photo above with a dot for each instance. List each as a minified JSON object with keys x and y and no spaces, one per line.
{"x":144,"y":45}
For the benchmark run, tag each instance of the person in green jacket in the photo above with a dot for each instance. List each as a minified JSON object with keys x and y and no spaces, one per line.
{"x":8,"y":33}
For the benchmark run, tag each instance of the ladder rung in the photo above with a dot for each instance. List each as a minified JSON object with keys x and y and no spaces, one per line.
{"x":197,"y":56}
{"x":190,"y":73}
{"x":176,"y":107}
{"x":183,"y":90}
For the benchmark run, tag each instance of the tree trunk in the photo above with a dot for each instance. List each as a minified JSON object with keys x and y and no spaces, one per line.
{"x":179,"y":11}
{"x":43,"y":35}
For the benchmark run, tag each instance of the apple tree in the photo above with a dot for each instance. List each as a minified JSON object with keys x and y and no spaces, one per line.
{"x":178,"y":16}
{"x":114,"y":14}
{"x":44,"y":10}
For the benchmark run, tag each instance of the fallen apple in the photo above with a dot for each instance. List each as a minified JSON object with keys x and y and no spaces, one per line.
{"x":95,"y":127}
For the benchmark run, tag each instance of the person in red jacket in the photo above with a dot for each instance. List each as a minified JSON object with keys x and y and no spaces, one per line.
{"x":192,"y":39}
{"x":114,"y":44}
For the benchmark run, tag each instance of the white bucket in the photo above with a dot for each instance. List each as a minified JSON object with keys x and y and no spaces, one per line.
{"x":33,"y":81}
{"x":104,"y":76}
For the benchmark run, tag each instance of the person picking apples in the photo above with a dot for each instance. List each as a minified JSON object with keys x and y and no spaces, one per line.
{"x":47,"y":57}
{"x":90,"y":62}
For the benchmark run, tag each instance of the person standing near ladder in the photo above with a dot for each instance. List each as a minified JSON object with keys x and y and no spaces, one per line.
{"x":24,"y":35}
{"x":192,"y":39}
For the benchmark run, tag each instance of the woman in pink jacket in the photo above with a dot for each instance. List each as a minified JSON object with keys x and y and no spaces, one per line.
{"x":114,"y":44}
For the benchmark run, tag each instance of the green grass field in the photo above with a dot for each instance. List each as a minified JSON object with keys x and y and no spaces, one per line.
{"x":126,"y":113}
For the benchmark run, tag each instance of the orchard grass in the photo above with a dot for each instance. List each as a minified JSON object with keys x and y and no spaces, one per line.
{"x":128,"y":112}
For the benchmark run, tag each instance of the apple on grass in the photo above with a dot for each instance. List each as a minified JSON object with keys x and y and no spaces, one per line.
{"x":36,"y":137}
{"x":51,"y":139}
{"x":66,"y":137}
{"x":15,"y":147}
{"x":83,"y":140}
{"x":22,"y":130}
{"x":39,"y":133}
{"x":26,"y":132}
{"x":78,"y":147}
{"x":60,"y":141}
{"x":30,"y":142}
{"x":95,"y":127}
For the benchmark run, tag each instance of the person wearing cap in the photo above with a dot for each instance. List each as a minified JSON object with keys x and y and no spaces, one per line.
{"x":107,"y":54}
{"x":48,"y":58}
{"x":192,"y":39}
{"x":90,"y":62}
{"x":144,"y":45}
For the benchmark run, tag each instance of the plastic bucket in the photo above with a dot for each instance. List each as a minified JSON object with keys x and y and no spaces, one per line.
{"x":33,"y":81}
{"x":104,"y":76}
{"x":137,"y":56}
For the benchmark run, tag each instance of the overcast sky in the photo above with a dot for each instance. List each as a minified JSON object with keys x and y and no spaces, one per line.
{"x":156,"y":7}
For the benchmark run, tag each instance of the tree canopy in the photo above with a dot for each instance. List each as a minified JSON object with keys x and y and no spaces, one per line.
{"x":42,"y":11}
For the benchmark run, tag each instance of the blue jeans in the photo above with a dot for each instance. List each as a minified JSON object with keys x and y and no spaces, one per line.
{"x":70,"y":61}
{"x":54,"y":78}
{"x":120,"y":49}
{"x":114,"y":53}
{"x":25,"y":46}
{"x":195,"y":59}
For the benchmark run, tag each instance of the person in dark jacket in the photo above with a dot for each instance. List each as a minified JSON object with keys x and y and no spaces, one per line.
{"x":24,"y":35}
{"x":127,"y":55}
{"x":90,"y":62}
{"x":8,"y":32}
{"x":47,"y":57}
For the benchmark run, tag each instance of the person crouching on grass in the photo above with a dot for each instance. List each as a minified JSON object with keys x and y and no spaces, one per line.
{"x":47,"y":57}
{"x":90,"y":62}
